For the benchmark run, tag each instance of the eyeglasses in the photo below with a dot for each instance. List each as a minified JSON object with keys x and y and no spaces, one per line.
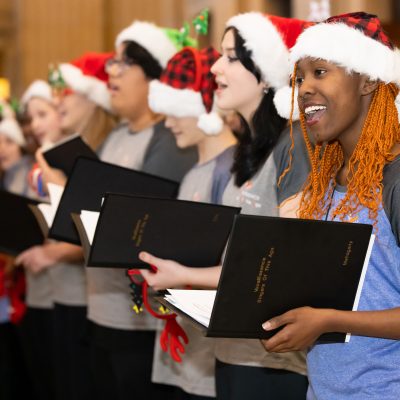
{"x":117,"y":67}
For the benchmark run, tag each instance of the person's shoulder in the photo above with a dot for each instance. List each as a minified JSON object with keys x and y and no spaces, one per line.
{"x":283,"y":149}
{"x":391,"y":173}
{"x":285,"y":139}
{"x":161,"y":132}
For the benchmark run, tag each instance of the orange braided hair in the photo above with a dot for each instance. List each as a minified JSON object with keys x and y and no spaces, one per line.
{"x":381,"y":131}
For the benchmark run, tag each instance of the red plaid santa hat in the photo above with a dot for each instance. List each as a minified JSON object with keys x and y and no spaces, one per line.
{"x":269,"y":38}
{"x":355,"y":41}
{"x":186,"y":89}
{"x":86,"y":75}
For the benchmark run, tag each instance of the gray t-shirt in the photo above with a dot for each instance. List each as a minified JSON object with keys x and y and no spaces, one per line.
{"x":261,"y":195}
{"x":154,"y":151}
{"x":39,"y":291}
{"x":196,"y":373}
{"x":69,"y":284}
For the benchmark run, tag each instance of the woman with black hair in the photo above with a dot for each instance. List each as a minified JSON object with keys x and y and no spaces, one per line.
{"x":122,"y":342}
{"x":252,"y":77}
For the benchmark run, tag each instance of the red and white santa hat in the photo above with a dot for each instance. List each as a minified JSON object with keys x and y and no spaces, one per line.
{"x":186,"y":89}
{"x":355,"y":41}
{"x":9,"y":127}
{"x":87,"y":75}
{"x":38,"y":88}
{"x":269,"y":38}
{"x":156,"y":40}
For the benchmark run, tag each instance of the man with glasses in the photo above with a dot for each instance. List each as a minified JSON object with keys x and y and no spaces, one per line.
{"x":122,"y":342}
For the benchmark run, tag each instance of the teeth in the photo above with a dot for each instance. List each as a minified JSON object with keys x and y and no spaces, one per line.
{"x":313,"y":109}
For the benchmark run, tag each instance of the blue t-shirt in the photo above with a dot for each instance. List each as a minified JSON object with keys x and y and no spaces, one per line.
{"x":366,"y":367}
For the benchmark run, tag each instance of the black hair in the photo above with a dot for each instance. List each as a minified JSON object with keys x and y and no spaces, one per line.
{"x":256,"y":140}
{"x":134,"y":53}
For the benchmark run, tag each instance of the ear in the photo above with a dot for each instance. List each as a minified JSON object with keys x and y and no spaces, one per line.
{"x":368,"y":86}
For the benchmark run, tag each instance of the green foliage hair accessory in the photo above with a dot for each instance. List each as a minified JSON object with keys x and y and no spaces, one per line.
{"x":200,"y":23}
{"x":55,"y":78}
{"x":15,"y":105}
{"x":180,"y":38}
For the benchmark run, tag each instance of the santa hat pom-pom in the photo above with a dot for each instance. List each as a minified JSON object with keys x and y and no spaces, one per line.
{"x":211,"y":124}
{"x":283,"y":103}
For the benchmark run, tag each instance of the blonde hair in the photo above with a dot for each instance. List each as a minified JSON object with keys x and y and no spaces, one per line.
{"x":99,"y":125}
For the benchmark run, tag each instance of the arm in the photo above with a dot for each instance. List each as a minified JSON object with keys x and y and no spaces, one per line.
{"x":38,"y":258}
{"x":171,"y":274}
{"x":302,"y":326}
{"x":50,"y":175}
{"x":290,"y":207}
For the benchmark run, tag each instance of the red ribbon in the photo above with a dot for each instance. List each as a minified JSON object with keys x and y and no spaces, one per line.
{"x":173,"y":337}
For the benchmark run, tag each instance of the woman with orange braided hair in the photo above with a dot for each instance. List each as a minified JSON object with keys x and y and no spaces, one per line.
{"x":346,"y":73}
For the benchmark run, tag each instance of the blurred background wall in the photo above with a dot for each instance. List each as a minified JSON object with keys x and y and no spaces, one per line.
{"x":36,"y":32}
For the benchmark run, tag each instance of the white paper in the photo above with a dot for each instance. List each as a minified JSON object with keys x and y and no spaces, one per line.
{"x":196,"y":303}
{"x":49,"y":210}
{"x":89,"y":220}
{"x":362,"y":279}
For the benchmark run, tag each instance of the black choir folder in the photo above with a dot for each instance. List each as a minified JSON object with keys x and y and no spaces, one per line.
{"x":273,"y":265}
{"x":90,"y":180}
{"x":62,"y":155}
{"x":19,"y":228}
{"x":191,"y":233}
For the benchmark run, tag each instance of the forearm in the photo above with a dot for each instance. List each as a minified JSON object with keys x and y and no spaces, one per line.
{"x":66,"y":252}
{"x":203,"y":277}
{"x":383,"y":324}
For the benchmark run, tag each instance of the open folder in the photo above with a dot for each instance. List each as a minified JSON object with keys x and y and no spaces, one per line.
{"x":62,"y":155}
{"x":90,"y":180}
{"x":273,"y":265}
{"x":191,"y":233}
{"x":19,"y":229}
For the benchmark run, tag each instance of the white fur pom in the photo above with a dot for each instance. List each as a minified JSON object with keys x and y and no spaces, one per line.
{"x":283,"y":102}
{"x":211,"y":124}
{"x":9,"y":127}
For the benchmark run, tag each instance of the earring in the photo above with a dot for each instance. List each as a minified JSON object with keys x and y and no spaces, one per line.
{"x":266,"y":89}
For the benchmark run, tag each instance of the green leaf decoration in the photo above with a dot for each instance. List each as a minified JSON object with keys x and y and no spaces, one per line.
{"x":55,"y":78}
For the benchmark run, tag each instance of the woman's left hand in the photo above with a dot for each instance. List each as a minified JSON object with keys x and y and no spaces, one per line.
{"x":301,"y":328}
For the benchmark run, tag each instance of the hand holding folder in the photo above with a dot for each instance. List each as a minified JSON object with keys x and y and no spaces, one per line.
{"x":286,"y":264}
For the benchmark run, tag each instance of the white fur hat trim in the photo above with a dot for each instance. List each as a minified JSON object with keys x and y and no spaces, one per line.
{"x":94,"y":89}
{"x":150,"y":37}
{"x":179,"y":103}
{"x":269,"y":51}
{"x":283,"y":103}
{"x":38,"y":88}
{"x":10,"y":128}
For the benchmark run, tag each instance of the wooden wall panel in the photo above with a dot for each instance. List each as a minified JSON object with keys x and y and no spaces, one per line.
{"x":36,"y":32}
{"x":51,"y":31}
{"x":383,"y":8}
{"x":121,"y":13}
